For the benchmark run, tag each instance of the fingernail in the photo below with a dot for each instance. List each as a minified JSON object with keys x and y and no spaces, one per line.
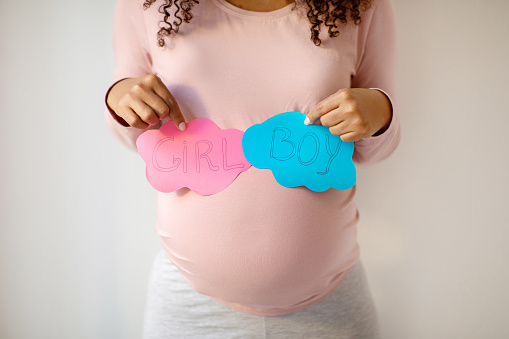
{"x":306,"y":121}
{"x":182,"y":126}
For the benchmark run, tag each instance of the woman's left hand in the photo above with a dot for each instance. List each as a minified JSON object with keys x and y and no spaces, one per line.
{"x":353,"y":113}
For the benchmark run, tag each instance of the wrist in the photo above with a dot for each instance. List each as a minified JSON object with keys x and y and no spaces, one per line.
{"x":386,"y":109}
{"x":108,"y":102}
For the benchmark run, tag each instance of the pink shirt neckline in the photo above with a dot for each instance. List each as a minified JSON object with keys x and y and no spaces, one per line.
{"x":232,"y":9}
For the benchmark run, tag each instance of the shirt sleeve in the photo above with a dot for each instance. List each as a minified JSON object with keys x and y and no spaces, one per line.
{"x":132,"y":59}
{"x":376,"y":53}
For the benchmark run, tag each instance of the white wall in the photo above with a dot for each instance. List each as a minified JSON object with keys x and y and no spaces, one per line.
{"x":77,"y":216}
{"x":435,"y":221}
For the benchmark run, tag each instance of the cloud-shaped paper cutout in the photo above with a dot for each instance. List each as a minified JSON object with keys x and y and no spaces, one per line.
{"x":203,"y":158}
{"x":299,"y":154}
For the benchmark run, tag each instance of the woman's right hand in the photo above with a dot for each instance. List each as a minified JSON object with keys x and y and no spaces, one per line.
{"x":143,"y":101}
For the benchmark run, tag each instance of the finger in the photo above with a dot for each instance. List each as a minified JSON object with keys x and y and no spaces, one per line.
{"x":348,"y":132}
{"x":131,"y":117}
{"x":145,"y":112}
{"x":331,"y":103}
{"x":332,"y":118}
{"x":176,"y":114}
{"x":351,"y":137}
{"x":341,"y":129}
{"x":144,"y":92}
{"x":158,"y":105}
{"x":174,"y":109}
{"x":322,"y":108}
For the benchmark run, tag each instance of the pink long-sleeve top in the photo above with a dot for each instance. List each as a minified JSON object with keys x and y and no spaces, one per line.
{"x":257,"y":246}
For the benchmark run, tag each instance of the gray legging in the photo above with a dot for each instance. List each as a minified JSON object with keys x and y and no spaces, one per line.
{"x":175,"y":310}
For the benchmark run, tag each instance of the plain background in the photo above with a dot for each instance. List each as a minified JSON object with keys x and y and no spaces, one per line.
{"x":77,"y":215}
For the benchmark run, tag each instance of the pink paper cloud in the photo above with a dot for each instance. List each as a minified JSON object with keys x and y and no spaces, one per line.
{"x":203,"y":158}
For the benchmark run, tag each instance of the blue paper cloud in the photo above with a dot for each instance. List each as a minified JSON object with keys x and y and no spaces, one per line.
{"x":299,"y":154}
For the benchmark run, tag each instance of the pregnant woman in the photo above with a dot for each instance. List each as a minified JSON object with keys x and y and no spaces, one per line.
{"x":257,"y":260}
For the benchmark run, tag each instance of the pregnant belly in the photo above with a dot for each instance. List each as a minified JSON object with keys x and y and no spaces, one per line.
{"x":266,"y":250}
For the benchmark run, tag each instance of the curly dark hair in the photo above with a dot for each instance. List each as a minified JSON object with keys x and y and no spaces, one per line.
{"x":327,"y":12}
